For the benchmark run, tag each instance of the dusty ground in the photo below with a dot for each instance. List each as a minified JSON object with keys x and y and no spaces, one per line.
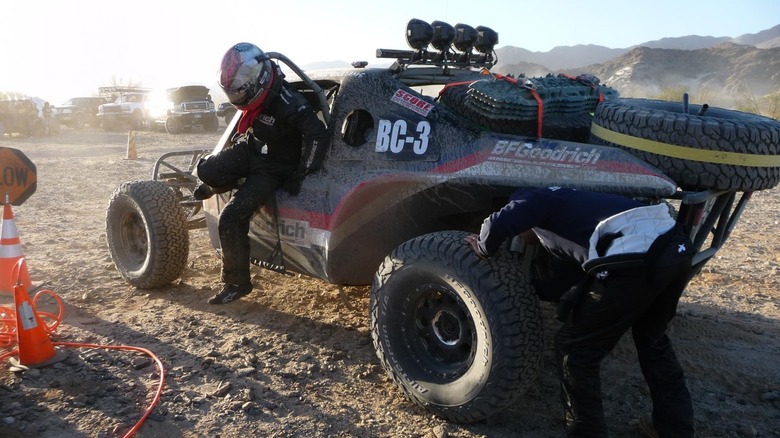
{"x":295,"y":357}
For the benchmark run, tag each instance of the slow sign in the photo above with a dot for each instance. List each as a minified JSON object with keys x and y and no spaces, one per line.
{"x":18,"y":178}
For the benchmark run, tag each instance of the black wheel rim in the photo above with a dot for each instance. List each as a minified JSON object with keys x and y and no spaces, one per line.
{"x":133,"y":239}
{"x":443,"y":331}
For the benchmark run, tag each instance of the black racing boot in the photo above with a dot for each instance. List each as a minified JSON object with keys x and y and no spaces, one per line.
{"x":202,"y":192}
{"x":230,"y":292}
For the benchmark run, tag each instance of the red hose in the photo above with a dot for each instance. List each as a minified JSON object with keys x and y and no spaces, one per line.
{"x":8,"y":337}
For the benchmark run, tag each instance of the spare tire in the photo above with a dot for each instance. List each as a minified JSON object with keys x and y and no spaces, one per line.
{"x":719,"y":150}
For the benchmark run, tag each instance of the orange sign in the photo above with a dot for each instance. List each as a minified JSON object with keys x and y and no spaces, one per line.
{"x":18,"y":178}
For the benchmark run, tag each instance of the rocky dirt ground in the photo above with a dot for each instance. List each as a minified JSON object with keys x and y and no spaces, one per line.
{"x":295,"y":357}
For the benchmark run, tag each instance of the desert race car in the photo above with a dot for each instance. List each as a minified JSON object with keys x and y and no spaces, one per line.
{"x":422,"y":151}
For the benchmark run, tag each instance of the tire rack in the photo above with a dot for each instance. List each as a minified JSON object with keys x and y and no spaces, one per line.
{"x":710,"y":214}
{"x":183,"y":182}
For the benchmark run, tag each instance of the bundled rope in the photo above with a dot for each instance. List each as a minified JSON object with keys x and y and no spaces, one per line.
{"x":8,"y":319}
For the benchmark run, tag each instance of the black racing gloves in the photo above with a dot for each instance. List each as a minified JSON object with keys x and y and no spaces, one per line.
{"x":292,"y":184}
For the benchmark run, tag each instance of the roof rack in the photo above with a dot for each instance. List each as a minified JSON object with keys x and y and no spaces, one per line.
{"x":406,"y":58}
{"x":454,"y":47}
{"x":114,"y":91}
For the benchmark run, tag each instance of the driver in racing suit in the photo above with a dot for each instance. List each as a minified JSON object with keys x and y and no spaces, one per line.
{"x":279,"y":140}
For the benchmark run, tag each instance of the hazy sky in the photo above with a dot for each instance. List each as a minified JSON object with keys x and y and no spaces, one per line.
{"x":56,"y":49}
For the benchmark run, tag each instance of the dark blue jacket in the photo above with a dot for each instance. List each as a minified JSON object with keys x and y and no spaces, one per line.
{"x":563,"y":219}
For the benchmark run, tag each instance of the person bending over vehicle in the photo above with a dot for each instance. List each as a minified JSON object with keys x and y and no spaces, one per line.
{"x":635,"y":265}
{"x":279,"y":140}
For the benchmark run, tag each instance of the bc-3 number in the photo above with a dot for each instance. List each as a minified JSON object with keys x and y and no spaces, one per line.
{"x":394,"y":136}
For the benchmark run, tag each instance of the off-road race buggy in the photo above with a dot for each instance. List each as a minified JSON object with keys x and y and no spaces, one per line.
{"x":421,"y":153}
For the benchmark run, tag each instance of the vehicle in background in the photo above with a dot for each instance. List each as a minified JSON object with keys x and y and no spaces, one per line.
{"x":184,"y":108}
{"x":226,"y":110}
{"x":128,"y":110}
{"x":78,"y":112}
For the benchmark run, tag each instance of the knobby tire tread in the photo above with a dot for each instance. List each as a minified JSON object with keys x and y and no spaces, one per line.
{"x":165,"y":224}
{"x":512,"y":311}
{"x":717,"y":130}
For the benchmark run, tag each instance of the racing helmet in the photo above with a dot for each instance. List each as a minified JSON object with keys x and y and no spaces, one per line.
{"x":247,"y":75}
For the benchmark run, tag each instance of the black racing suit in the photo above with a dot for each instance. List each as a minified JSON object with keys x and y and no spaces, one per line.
{"x":642,"y":298}
{"x":287,"y":141}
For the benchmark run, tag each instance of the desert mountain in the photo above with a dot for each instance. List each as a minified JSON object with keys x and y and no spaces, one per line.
{"x":719,"y":70}
{"x":559,"y":57}
{"x":690,"y":42}
{"x":766,"y":39}
{"x":719,"y":75}
{"x":564,"y":57}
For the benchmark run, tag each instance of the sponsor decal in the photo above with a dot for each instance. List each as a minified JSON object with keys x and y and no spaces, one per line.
{"x":523,"y":152}
{"x":412,"y":102}
{"x":266,"y":119}
{"x":292,"y":231}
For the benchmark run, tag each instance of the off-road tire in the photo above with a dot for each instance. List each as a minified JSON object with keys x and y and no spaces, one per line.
{"x":697,"y":152}
{"x":173,"y":125}
{"x":147,"y":233}
{"x":79,"y":121}
{"x":460,"y":336}
{"x":211,"y":125}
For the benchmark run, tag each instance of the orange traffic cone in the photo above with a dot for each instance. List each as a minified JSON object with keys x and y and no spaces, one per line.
{"x":132,"y":153}
{"x":34,"y":345}
{"x":10,"y":252}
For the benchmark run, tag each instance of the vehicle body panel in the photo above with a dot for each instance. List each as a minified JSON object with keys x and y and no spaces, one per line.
{"x":420,"y":169}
